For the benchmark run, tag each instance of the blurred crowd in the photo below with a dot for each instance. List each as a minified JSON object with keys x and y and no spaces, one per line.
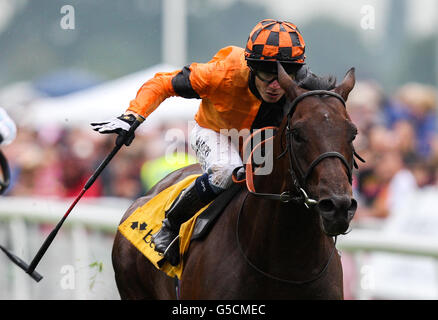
{"x":398,"y":138}
{"x":57,"y":161}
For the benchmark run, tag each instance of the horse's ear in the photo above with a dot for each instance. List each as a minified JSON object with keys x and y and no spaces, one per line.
{"x":347,"y":84}
{"x":287,"y":84}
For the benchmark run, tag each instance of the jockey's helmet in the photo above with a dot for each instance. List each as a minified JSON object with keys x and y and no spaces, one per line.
{"x":271,"y":41}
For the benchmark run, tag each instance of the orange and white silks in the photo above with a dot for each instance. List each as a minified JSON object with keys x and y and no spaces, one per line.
{"x":222,"y":84}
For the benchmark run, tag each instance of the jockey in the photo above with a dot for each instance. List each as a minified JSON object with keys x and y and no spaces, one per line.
{"x":239,"y":90}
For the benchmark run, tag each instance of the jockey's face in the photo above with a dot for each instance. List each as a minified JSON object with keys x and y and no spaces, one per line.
{"x":270,"y":91}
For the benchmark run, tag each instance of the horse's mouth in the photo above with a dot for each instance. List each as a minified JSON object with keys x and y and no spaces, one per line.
{"x":335,"y":214}
{"x":334,"y":228}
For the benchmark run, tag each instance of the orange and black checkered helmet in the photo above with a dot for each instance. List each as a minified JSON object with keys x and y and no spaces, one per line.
{"x":273,"y":40}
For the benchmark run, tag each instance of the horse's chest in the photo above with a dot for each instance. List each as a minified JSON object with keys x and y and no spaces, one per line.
{"x":233,"y":279}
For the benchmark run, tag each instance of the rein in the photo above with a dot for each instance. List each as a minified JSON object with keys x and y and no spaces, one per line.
{"x":268,"y":275}
{"x":300,"y":194}
{"x":286,"y":196}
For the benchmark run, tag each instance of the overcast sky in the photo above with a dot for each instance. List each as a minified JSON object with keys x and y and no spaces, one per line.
{"x":422,"y":14}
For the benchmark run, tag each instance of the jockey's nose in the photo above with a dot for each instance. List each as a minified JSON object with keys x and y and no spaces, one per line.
{"x":275,"y":84}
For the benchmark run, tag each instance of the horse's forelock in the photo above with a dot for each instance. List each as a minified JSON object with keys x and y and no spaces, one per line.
{"x":314,"y":82}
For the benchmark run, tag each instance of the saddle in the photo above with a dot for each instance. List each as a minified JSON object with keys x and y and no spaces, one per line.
{"x":146,"y":220}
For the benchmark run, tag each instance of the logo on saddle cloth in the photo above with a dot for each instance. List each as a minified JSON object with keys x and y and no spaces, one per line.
{"x":146,"y":221}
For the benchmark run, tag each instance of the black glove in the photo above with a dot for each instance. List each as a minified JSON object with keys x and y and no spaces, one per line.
{"x":119,"y":125}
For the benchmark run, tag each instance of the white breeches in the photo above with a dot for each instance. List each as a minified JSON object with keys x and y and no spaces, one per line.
{"x":217,"y":156}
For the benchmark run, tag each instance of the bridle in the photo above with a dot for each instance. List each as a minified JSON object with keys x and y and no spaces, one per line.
{"x":300,"y":195}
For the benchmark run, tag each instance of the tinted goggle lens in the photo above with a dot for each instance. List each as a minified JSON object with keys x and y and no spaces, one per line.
{"x":268,"y":76}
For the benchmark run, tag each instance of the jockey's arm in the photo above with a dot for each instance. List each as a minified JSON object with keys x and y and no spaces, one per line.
{"x":148,"y":98}
{"x":193,"y":81}
{"x":127,"y":112}
{"x":152,"y":94}
{"x":197,"y":80}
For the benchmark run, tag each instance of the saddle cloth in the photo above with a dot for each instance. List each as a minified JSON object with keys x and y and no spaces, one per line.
{"x":147,"y":220}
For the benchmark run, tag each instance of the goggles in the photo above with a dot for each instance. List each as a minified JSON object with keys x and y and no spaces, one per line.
{"x":268,"y":77}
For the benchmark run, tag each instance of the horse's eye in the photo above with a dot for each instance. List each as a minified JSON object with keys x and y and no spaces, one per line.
{"x":354,"y":134}
{"x":297,"y":137}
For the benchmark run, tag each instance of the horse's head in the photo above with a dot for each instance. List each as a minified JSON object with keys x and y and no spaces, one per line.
{"x":321,"y":149}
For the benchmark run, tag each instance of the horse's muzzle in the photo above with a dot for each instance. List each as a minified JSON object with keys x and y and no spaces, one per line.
{"x":336,"y":213}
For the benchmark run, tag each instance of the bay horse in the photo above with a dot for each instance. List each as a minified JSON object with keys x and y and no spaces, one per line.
{"x":277,"y":242}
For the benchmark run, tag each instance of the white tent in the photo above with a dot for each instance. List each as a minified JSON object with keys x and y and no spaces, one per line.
{"x":105,"y":101}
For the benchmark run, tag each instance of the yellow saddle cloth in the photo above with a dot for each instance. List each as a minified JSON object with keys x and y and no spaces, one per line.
{"x":147,"y":220}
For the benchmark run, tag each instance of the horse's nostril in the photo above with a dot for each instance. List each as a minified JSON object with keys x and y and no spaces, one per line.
{"x":334,"y":204}
{"x":326,"y":205}
{"x":353,"y":208}
{"x":353,"y":205}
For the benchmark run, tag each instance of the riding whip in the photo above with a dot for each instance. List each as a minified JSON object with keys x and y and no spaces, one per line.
{"x":30,"y":269}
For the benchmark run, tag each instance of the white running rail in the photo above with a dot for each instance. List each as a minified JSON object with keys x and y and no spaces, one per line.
{"x":78,"y":263}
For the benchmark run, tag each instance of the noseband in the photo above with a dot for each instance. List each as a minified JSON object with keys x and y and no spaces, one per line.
{"x":293,"y":161}
{"x":304,"y":175}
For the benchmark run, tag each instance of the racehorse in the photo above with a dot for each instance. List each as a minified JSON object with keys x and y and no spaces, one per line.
{"x":278,"y":240}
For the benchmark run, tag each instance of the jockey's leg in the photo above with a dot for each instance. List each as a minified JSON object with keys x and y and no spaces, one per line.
{"x":218,"y":157}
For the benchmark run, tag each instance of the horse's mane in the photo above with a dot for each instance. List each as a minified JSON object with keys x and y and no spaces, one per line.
{"x":314,"y":82}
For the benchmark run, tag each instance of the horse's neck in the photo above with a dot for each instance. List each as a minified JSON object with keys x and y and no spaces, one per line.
{"x":281,"y":233}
